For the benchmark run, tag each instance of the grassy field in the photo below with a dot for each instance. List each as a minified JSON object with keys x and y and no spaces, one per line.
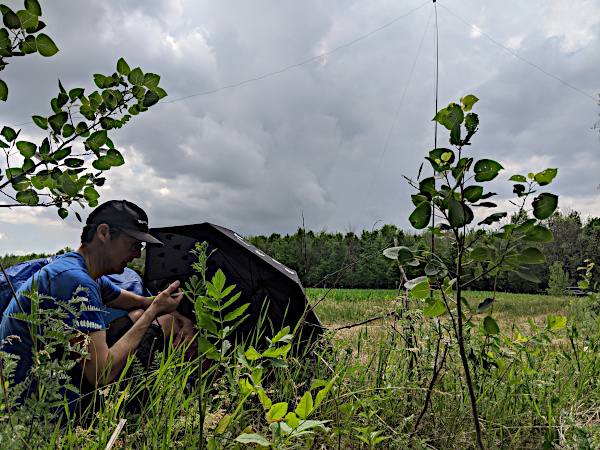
{"x":344,"y":306}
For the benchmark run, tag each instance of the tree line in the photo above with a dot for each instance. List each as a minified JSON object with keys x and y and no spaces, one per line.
{"x":351,"y":260}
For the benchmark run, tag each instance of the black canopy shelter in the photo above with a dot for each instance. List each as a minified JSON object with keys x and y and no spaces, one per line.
{"x":259,"y":277}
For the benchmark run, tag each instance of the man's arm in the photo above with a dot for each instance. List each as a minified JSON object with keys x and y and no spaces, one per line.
{"x":128,"y":301}
{"x":105,"y":363}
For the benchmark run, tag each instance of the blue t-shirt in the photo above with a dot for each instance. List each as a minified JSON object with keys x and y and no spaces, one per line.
{"x":58,"y":280}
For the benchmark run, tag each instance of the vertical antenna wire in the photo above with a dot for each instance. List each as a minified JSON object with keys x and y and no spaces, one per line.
{"x":435,"y":124}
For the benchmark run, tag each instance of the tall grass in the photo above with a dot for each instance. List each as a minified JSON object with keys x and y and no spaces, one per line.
{"x":541,"y":390}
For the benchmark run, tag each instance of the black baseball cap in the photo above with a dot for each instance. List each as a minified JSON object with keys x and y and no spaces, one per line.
{"x":125,"y":216}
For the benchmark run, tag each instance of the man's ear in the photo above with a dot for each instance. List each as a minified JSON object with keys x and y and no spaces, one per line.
{"x":103,"y":232}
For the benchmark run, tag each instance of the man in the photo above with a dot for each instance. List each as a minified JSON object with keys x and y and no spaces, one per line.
{"x":113,"y":236}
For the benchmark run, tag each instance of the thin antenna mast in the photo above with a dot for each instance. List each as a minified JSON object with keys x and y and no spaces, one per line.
{"x":436,"y":108}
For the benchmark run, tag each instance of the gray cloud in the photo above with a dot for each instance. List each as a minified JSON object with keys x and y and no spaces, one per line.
{"x":330,"y":139}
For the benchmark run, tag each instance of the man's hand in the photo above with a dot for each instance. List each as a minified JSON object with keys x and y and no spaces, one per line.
{"x":164,"y":303}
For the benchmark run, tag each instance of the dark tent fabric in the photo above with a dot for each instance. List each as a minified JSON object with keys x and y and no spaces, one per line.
{"x":261,"y":280}
{"x":19,"y":273}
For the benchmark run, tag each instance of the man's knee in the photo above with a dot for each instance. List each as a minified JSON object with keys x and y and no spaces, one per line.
{"x":167,"y":322}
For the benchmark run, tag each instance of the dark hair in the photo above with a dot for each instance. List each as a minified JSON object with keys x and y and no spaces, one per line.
{"x":87,"y":235}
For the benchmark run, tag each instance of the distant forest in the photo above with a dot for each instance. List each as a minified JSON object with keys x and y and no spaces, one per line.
{"x":350,"y":260}
{"x":319,"y":256}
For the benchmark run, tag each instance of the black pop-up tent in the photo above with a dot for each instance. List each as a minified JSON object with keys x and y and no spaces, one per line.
{"x":260,"y":278}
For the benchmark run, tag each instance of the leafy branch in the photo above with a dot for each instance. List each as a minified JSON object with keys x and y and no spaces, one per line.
{"x":49,"y":174}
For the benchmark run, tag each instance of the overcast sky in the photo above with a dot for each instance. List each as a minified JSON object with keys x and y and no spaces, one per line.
{"x":326,"y":142}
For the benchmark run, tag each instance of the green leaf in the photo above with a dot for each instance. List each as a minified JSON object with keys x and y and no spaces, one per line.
{"x":403,"y":254}
{"x":62,"y":153}
{"x":160,"y":91}
{"x":273,"y":352}
{"x":111,"y":98}
{"x":57,"y":121}
{"x":284,"y":332}
{"x":393,"y":252}
{"x":76,"y":93}
{"x":468,"y":101}
{"x":97,"y":140}
{"x":99,"y":80}
{"x":518,"y":178}
{"x":459,"y":214}
{"x":73,"y":162}
{"x":486,"y":170}
{"x":421,"y":216}
{"x":305,"y":406}
{"x":440,"y":158}
{"x":136,"y":77}
{"x":9,"y":134}
{"x":28,"y":197}
{"x":519,"y":189}
{"x":427,"y":187}
{"x":485,"y":305}
{"x":531,"y":255}
{"x":538,"y":233}
{"x":545,"y":177}
{"x":114,"y":158}
{"x":432,"y":270}
{"x":68,"y":130}
{"x":462,"y":166}
{"x":490,"y":326}
{"x":450,"y":116}
{"x":471,"y":122}
{"x":5,"y":42}
{"x":434,"y":308}
{"x":67,"y":185}
{"x":123,"y":67}
{"x":223,"y":424}
{"x":3,"y":90}
{"x":292,"y":420}
{"x":277,"y":412}
{"x":28,"y":164}
{"x":473,"y":193}
{"x":22,"y":185}
{"x":150,"y":98}
{"x":45,"y":45}
{"x":45,"y":147}
{"x":11,"y":20}
{"x":421,"y":290}
{"x":151,"y":80}
{"x":544,"y":205}
{"x":480,"y":254}
{"x":496,"y":217}
{"x":556,"y":323}
{"x":33,"y":7}
{"x":29,"y":45}
{"x":27,"y":149}
{"x":236,"y":313}
{"x":204,"y":320}
{"x":527,"y":275}
{"x":253,"y":438}
{"x":251,"y":354}
{"x":27,"y":19}
{"x":81,"y":128}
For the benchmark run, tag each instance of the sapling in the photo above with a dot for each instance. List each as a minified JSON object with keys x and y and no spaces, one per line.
{"x":451,"y":195}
